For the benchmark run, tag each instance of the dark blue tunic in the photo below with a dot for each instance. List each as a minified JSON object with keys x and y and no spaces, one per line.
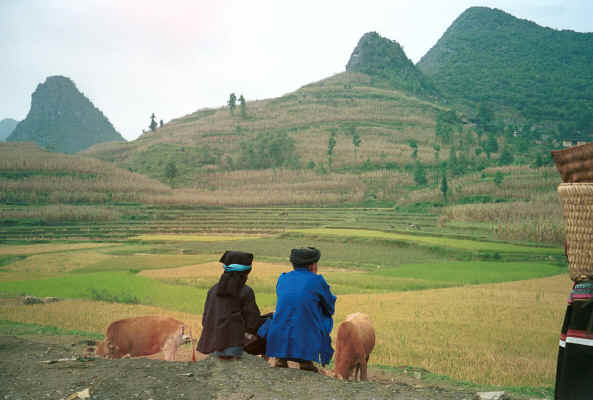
{"x":303,"y":318}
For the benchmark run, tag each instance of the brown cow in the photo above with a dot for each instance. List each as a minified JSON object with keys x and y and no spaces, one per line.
{"x":356,"y":339}
{"x":142,"y":336}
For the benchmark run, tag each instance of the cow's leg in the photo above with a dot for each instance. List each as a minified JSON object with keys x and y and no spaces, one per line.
{"x":356,"y":372}
{"x":116,"y":352}
{"x":363,"y":370}
{"x":169,"y":349}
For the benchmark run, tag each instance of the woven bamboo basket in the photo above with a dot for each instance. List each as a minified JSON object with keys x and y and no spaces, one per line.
{"x":575,"y":164}
{"x":577,"y":201}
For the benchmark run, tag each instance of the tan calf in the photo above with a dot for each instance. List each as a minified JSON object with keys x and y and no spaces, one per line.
{"x":142,"y":336}
{"x":355,"y":342}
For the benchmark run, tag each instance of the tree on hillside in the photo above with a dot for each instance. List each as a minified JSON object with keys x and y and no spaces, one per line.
{"x":453,"y":163}
{"x":153,"y":123}
{"x":491,"y":145}
{"x":584,"y":124}
{"x":355,"y":141}
{"x":506,"y":156}
{"x":171,"y":171}
{"x":268,"y":150}
{"x":414,"y":145}
{"x":498,"y":178}
{"x":331,"y":144}
{"x":485,"y":118}
{"x":469,"y":138}
{"x":437,"y":150}
{"x":462,"y":163}
{"x":232,"y":103}
{"x":243,"y":107}
{"x":446,"y":121}
{"x":538,"y":162}
{"x":161,"y":124}
{"x":444,"y":186}
{"x":444,"y":132}
{"x":420,"y":174}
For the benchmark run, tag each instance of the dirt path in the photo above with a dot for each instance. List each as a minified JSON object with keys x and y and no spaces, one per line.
{"x":24,"y":375}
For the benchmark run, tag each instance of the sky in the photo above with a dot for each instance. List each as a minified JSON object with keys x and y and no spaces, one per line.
{"x":132,"y":58}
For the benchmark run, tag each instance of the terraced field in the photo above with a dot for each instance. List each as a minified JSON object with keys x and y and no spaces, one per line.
{"x":167,"y":220}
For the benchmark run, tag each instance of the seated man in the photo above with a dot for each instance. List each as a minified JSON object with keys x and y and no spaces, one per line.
{"x":300,"y":327}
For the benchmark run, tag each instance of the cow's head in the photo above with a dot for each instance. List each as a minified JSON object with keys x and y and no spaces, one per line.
{"x":102,"y":348}
{"x":331,"y":374}
{"x":105,"y":349}
{"x":185,"y":334}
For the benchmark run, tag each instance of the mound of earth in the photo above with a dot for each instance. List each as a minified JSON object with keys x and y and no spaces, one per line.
{"x":43,"y":367}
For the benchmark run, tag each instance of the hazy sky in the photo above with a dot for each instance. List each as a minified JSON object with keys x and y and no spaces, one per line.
{"x":135,"y":57}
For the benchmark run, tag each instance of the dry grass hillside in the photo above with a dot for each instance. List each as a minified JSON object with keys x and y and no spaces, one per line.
{"x":384,"y":119}
{"x":29,"y":174}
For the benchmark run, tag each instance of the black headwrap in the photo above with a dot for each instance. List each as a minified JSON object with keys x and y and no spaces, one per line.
{"x":231,"y":282}
{"x":303,"y":257}
{"x":236,"y":257}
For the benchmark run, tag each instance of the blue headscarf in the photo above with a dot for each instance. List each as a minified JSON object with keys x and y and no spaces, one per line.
{"x":236,"y":267}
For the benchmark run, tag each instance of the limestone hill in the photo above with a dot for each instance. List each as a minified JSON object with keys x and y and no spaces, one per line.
{"x":516,"y":66}
{"x":6,"y":127}
{"x":63,"y":119}
{"x":385,"y":61}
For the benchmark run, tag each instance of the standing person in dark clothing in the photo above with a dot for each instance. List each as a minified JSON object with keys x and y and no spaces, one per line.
{"x":299,"y":330}
{"x":574,"y":371}
{"x":230,"y":310}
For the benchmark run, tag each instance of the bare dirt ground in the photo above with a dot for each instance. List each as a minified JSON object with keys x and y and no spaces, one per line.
{"x":32,"y":367}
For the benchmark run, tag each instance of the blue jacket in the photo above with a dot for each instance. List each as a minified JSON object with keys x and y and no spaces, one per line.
{"x":303,"y":318}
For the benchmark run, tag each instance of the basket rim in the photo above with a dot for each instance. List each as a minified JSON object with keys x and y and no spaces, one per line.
{"x":567,"y":152}
{"x":575,"y":183}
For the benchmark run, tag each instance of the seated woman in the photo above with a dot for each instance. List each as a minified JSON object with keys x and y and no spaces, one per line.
{"x":230,"y":310}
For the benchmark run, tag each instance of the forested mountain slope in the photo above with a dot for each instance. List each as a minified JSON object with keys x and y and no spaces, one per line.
{"x":514,"y":65}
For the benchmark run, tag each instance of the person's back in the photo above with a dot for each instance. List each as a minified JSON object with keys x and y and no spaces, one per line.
{"x":230,"y":309}
{"x":302,"y":321}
